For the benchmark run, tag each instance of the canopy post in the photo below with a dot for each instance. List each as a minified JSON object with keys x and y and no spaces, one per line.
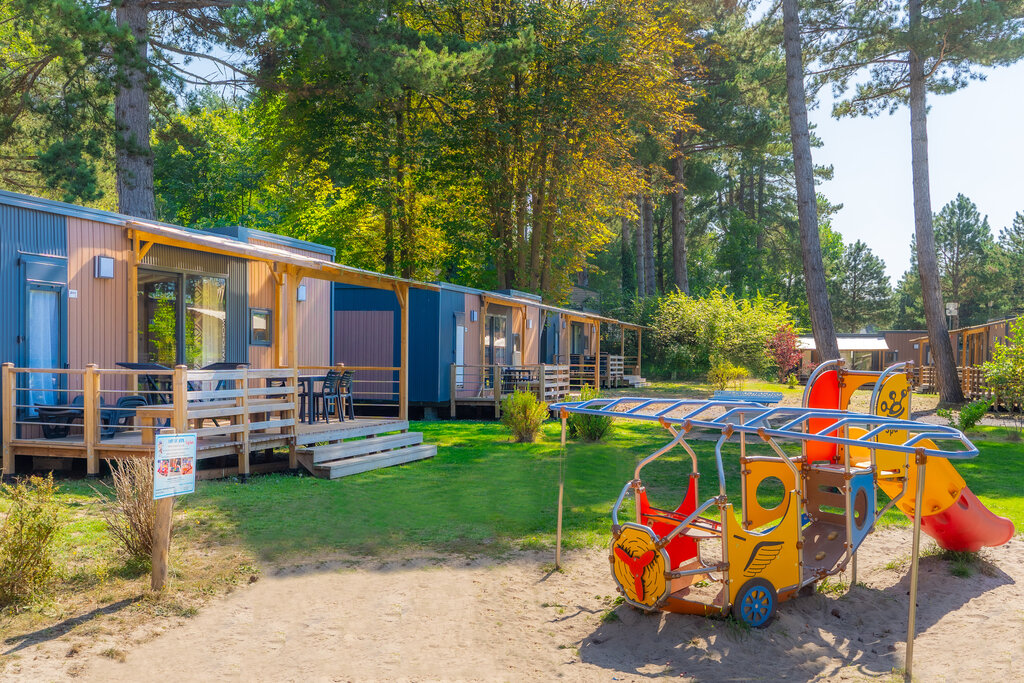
{"x":402,"y":293}
{"x":922,"y":461}
{"x":561,"y":491}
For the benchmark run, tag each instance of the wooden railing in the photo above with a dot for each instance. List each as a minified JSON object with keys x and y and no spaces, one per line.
{"x":491,"y":383}
{"x":123,"y":409}
{"x":972,"y":381}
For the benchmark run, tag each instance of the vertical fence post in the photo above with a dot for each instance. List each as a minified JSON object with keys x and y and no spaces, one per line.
{"x":293,"y":382}
{"x":162,"y":524}
{"x":9,"y":412}
{"x":90,"y":418}
{"x":496,"y":382}
{"x":453,"y":390}
{"x":243,"y":401}
{"x":543,"y":383}
{"x":179,"y":396}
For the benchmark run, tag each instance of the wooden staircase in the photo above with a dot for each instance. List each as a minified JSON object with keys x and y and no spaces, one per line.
{"x":360,"y":447}
{"x":635,"y":381}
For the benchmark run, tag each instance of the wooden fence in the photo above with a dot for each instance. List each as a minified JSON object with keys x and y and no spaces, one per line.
{"x":492,"y":383}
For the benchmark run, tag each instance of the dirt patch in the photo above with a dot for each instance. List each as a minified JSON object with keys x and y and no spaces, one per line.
{"x":456,"y":619}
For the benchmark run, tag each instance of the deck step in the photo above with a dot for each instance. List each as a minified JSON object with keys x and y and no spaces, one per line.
{"x":371,"y":444}
{"x":345,"y":432}
{"x":336,"y":469}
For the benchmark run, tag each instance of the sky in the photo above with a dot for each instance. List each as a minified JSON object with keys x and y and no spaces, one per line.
{"x":975,"y":145}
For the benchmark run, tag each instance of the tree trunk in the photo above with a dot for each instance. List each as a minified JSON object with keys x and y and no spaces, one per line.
{"x":679,"y":273}
{"x":641,"y":274}
{"x":661,"y":255}
{"x":927,"y":261}
{"x":649,"y":282}
{"x":131,"y":117}
{"x":807,"y":207}
{"x":626,"y":263}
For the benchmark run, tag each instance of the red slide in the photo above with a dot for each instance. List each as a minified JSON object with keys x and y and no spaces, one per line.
{"x":967,"y":525}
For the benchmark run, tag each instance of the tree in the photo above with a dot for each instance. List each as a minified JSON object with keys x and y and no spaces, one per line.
{"x":810,"y":245}
{"x":91,"y":60}
{"x":962,"y":241}
{"x":909,"y":49}
{"x":863,"y":289}
{"x":1011,"y":262}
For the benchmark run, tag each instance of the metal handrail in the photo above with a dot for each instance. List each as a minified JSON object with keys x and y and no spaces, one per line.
{"x":754,"y":421}
{"x":686,"y":522}
{"x":891,"y":370}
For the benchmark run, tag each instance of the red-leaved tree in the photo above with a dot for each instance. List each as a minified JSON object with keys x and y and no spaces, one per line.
{"x":783,"y":350}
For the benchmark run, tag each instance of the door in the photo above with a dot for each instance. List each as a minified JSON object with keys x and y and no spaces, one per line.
{"x":182,"y":318}
{"x":460,"y":354}
{"x":42,"y":342}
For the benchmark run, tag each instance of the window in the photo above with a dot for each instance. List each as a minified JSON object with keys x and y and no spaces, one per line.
{"x":260,"y":327}
{"x":182,"y":318}
{"x":495,"y":339}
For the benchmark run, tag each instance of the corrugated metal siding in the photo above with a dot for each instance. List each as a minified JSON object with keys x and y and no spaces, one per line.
{"x":314,"y":313}
{"x":424,"y":347}
{"x":24,"y":230}
{"x":173,"y":258}
{"x":367,"y":338}
{"x":471,"y":352}
{"x":531,"y":348}
{"x":99,"y":316}
{"x":261,"y":295}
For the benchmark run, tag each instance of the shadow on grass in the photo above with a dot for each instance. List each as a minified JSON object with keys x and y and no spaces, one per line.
{"x":59,"y":629}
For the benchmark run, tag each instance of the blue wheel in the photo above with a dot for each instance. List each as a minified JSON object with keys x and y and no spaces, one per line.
{"x":755,"y":603}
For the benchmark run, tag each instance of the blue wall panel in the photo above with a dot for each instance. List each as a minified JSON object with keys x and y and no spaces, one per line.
{"x":431,"y":333}
{"x":31,"y":232}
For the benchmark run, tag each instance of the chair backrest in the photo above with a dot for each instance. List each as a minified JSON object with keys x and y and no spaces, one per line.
{"x":346,"y":381}
{"x":331,"y":382}
{"x":132,"y":401}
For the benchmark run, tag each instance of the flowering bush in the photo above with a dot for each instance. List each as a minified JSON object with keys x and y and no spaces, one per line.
{"x":784,"y":352}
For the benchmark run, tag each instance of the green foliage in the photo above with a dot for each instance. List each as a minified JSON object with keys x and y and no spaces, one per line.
{"x":863,"y":290}
{"x":689,"y":331}
{"x":523,"y":415}
{"x":27,"y":535}
{"x":588,"y":427}
{"x":723,"y":373}
{"x":967,"y":417}
{"x":1005,"y":372}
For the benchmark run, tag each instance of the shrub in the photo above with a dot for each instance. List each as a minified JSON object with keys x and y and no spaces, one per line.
{"x":1005,"y":373}
{"x":26,"y":539}
{"x":689,"y":332}
{"x":723,"y":373}
{"x":791,"y":380}
{"x":967,"y":417}
{"x":131,"y":516}
{"x":588,"y":427}
{"x":784,"y":351}
{"x":523,"y":414}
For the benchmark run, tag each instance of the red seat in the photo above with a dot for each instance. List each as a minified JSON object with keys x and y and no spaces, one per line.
{"x":682,"y":548}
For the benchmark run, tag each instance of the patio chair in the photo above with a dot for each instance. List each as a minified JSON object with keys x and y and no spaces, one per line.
{"x":121,"y":415}
{"x":345,"y":394}
{"x":328,"y":399}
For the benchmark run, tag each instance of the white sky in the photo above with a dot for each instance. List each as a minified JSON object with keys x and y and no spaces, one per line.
{"x":976,"y":147}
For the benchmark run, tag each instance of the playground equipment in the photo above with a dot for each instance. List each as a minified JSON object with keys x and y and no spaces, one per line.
{"x":828,"y":508}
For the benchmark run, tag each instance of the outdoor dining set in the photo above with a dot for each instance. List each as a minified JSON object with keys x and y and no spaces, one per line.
{"x":320,"y":396}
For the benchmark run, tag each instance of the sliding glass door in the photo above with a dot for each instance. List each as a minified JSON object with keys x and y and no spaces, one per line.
{"x":43,"y":336}
{"x":182,"y":318}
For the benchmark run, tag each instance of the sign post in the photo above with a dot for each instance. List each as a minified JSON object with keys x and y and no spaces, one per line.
{"x":174,"y":474}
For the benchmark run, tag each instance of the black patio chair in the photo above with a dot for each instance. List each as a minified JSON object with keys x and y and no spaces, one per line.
{"x":121,"y":415}
{"x":345,"y":395}
{"x":328,"y":399}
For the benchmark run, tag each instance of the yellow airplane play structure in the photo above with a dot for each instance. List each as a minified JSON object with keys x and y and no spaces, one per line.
{"x":701,"y":558}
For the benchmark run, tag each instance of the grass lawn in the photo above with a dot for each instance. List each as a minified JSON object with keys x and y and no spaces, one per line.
{"x":481,"y":494}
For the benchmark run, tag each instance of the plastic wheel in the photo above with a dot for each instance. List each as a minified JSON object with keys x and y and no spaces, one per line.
{"x":755,"y":603}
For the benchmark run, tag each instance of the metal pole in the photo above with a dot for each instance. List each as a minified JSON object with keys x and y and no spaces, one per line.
{"x":922,"y":461}
{"x":561,"y":491}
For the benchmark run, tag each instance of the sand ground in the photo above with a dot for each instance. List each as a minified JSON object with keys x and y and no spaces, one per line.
{"x":433,"y":618}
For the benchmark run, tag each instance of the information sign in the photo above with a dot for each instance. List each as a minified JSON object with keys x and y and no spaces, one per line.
{"x":174,"y":465}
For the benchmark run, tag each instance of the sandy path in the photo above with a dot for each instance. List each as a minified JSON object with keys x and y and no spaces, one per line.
{"x":431,"y":620}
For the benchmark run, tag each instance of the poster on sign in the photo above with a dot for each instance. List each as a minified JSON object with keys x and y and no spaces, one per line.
{"x":174,"y":465}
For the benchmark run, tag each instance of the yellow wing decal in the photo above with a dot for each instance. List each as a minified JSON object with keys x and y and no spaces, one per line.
{"x":762,"y":556}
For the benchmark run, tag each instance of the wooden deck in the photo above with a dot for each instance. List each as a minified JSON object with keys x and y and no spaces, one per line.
{"x":241,"y":415}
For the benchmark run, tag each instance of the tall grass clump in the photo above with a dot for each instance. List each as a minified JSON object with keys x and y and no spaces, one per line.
{"x":131,"y":516}
{"x":27,"y":534}
{"x":588,"y":427}
{"x":523,"y":414}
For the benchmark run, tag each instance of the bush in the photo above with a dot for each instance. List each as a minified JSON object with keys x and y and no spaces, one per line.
{"x":131,"y":516}
{"x":26,"y":539}
{"x":784,"y":351}
{"x":723,"y":373}
{"x":689,"y":333}
{"x":523,"y":414}
{"x":588,"y":427}
{"x":1005,"y":373}
{"x":967,"y":417}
